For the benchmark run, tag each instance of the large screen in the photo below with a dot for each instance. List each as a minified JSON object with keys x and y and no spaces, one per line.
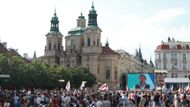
{"x":140,"y":81}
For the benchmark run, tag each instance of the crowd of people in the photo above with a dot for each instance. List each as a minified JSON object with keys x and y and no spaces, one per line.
{"x":91,"y":98}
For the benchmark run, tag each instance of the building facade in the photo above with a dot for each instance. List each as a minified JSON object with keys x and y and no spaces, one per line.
{"x":83,"y":48}
{"x":174,"y":57}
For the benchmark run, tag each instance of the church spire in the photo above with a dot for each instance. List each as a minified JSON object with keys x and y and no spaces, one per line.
{"x":140,"y":55}
{"x":34,"y":55}
{"x":81,"y":21}
{"x":54,"y":23}
{"x":92,"y":17}
{"x":92,"y":5}
{"x":107,"y":43}
{"x":81,"y":16}
{"x":151,"y":63}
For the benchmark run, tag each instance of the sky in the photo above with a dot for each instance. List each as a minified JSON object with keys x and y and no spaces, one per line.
{"x":128,"y":24}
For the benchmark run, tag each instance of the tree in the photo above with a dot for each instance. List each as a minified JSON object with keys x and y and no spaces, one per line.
{"x":37,"y":74}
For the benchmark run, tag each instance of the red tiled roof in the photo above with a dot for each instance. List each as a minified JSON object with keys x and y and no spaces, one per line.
{"x":163,"y":46}
{"x":108,"y":51}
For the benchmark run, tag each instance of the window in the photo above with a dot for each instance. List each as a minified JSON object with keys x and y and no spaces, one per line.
{"x":94,"y":43}
{"x":49,"y":46}
{"x":157,"y":56}
{"x":116,"y":73}
{"x":88,"y":42}
{"x":98,"y":42}
{"x":59,"y":46}
{"x":82,"y":42}
{"x":184,"y":66}
{"x":165,"y":65}
{"x":174,"y":65}
{"x":164,"y":56}
{"x":174,"y":75}
{"x":88,"y":59}
{"x":74,"y":46}
{"x":73,"y":63}
{"x":173,"y":56}
{"x":184,"y":57}
{"x":107,"y":74}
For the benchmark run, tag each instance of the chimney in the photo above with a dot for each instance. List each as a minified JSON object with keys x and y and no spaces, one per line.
{"x":5,"y":44}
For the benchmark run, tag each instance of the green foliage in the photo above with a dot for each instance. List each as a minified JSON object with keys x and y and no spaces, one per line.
{"x":38,"y":74}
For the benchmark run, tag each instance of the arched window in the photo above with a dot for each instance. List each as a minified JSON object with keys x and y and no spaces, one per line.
{"x":94,"y":43}
{"x":49,"y":46}
{"x":108,"y":74}
{"x":98,"y":42}
{"x":115,"y":75}
{"x":82,"y":42}
{"x":88,"y":42}
{"x":59,"y":46}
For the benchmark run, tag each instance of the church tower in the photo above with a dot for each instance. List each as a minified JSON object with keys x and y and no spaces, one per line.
{"x":92,"y":17}
{"x":81,"y":21}
{"x":92,"y":49}
{"x":92,"y":34}
{"x":53,"y":48}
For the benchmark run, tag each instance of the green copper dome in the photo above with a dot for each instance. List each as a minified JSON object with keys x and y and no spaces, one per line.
{"x":92,"y":11}
{"x":92,"y":17}
{"x":76,"y":31}
{"x":54,"y":23}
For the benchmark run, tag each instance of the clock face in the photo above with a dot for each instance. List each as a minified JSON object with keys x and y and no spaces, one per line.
{"x":69,"y":43}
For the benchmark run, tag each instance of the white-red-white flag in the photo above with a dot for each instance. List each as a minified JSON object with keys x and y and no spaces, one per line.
{"x":179,"y":90}
{"x":82,"y":85}
{"x":187,"y":89}
{"x":127,"y":89}
{"x":172,"y":88}
{"x":68,"y":86}
{"x":104,"y":87}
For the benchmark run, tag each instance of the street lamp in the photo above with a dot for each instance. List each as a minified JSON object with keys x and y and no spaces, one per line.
{"x":160,"y":78}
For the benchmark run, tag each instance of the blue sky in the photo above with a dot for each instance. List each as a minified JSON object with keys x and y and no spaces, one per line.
{"x":127,"y":24}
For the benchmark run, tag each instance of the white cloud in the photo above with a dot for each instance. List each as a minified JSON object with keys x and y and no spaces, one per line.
{"x":149,"y":31}
{"x":167,"y":14}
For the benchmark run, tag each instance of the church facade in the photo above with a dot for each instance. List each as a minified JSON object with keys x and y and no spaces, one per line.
{"x":83,"y":48}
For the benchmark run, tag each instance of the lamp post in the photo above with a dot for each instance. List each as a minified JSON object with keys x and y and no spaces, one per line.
{"x":162,"y":76}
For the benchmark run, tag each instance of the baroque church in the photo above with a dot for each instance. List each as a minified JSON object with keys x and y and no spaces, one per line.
{"x":83,"y":48}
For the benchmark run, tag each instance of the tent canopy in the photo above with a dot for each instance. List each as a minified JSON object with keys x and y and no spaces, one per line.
{"x":176,"y":80}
